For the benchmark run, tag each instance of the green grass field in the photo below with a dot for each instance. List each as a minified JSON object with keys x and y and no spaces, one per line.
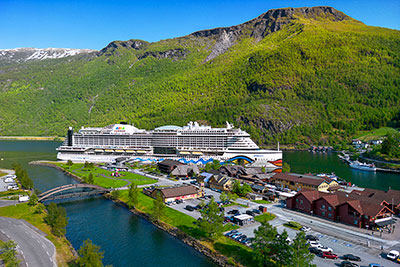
{"x":293,"y":225}
{"x":27,"y":213}
{"x":262,"y":201}
{"x":103,"y":177}
{"x":375,"y":134}
{"x":265,"y":217}
{"x":2,"y":173}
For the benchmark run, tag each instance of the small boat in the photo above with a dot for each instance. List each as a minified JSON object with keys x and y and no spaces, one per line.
{"x":362,"y":166}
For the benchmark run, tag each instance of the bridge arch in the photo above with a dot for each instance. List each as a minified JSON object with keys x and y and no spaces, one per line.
{"x":43,"y":196}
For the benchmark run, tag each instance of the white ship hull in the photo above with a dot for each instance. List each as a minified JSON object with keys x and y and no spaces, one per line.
{"x":362,"y":167}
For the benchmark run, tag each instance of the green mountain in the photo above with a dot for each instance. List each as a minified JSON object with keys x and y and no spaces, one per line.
{"x":289,"y":75}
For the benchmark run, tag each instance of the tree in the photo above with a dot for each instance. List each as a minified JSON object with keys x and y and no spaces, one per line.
{"x":115,"y":194}
{"x":232,"y":196}
{"x":241,"y":190}
{"x":282,"y":251}
{"x":223,"y":197}
{"x":215,"y":165}
{"x":57,"y":219}
{"x":40,"y":208}
{"x":69,"y":163}
{"x":90,"y":255}
{"x":9,"y":254}
{"x":33,"y":200}
{"x":133,"y":194}
{"x":263,"y":244}
{"x":158,"y":207}
{"x":212,"y":220}
{"x":22,"y":176}
{"x":90,"y":179}
{"x":301,"y":254}
{"x":286,"y":167}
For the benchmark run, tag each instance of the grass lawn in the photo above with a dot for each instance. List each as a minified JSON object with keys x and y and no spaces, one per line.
{"x":2,"y":173}
{"x":293,"y":225}
{"x":265,"y":217}
{"x":375,"y":134}
{"x":262,"y":201}
{"x":103,"y":177}
{"x":23,"y":211}
{"x":6,"y":194}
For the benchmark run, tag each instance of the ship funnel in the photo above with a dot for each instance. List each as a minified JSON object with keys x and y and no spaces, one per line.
{"x":69,"y":136}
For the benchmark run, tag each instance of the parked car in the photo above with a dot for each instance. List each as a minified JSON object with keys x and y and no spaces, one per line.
{"x":312,"y":238}
{"x":393,"y":255}
{"x":374,"y":265}
{"x":189,"y":208}
{"x":234,"y":212}
{"x":314,"y":244}
{"x":249,"y":212}
{"x":305,"y":229}
{"x":314,"y":250}
{"x":256,"y":211}
{"x":348,"y":264}
{"x":351,"y":257}
{"x":329,"y":255}
{"x":325,"y":249}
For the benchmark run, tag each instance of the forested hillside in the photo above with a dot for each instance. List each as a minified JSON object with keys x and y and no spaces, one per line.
{"x":290,"y":75}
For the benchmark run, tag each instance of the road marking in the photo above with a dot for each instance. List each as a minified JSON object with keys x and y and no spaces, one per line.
{"x":47,"y":253}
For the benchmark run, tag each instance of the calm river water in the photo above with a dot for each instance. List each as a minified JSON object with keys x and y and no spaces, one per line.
{"x":128,"y":240}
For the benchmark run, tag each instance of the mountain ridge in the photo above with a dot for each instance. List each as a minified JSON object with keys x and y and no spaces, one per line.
{"x":318,"y":78}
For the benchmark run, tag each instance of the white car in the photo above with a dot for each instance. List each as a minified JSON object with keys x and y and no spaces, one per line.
{"x":314,"y":244}
{"x":392,"y":255}
{"x":305,"y":229}
{"x":325,"y":249}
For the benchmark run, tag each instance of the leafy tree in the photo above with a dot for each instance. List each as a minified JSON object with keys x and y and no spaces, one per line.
{"x":90,"y":179}
{"x":57,"y":219}
{"x":263,"y":169}
{"x":286,"y":167}
{"x":241,"y":190}
{"x":69,"y":163}
{"x":158,"y":207}
{"x":33,"y":200}
{"x":9,"y":254}
{"x":215,"y":165}
{"x":133,"y":194}
{"x":22,"y":176}
{"x":90,"y":255}
{"x":301,"y":255}
{"x":212,"y":220}
{"x":115,"y":194}
{"x":223,"y":197}
{"x":40,"y":208}
{"x":232,"y":196}
{"x":263,"y":244}
{"x":282,"y":251}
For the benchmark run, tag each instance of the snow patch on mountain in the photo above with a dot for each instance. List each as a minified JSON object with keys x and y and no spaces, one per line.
{"x":28,"y":54}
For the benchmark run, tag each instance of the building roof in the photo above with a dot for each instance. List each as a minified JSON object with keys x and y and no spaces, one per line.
{"x":183,"y":170}
{"x":257,"y":187}
{"x":300,"y":178}
{"x":310,"y":195}
{"x":214,"y":172}
{"x":243,"y":217}
{"x":254,"y":170}
{"x":169,"y":192}
{"x":170,"y":162}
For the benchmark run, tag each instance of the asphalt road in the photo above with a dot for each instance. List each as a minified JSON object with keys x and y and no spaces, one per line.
{"x":36,"y":250}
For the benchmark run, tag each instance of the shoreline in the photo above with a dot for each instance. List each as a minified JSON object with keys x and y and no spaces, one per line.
{"x":35,"y":138}
{"x":216,"y":257}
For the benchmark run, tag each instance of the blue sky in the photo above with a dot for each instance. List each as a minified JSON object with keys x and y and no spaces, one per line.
{"x":94,"y":23}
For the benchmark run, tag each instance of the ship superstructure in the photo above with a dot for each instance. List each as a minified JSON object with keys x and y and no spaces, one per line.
{"x":192,"y":143}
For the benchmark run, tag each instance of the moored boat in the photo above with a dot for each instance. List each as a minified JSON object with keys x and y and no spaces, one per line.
{"x":362,"y":166}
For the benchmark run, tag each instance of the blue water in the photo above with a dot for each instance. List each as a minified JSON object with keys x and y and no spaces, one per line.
{"x":125,"y":239}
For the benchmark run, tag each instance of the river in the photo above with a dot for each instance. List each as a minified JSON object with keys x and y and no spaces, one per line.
{"x":128,"y":240}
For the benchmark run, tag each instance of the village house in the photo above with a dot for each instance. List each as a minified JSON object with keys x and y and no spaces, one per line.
{"x":221,"y":182}
{"x":297,"y":182}
{"x":185,"y":171}
{"x":170,"y":194}
{"x":168,"y":165}
{"x":351,"y":209}
{"x":232,"y":170}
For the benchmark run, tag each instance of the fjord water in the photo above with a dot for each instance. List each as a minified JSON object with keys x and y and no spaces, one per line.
{"x":126,"y":239}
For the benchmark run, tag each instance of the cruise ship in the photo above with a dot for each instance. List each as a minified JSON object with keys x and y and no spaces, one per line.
{"x":193,"y":143}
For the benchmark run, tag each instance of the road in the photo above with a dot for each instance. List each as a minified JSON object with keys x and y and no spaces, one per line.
{"x":36,"y":250}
